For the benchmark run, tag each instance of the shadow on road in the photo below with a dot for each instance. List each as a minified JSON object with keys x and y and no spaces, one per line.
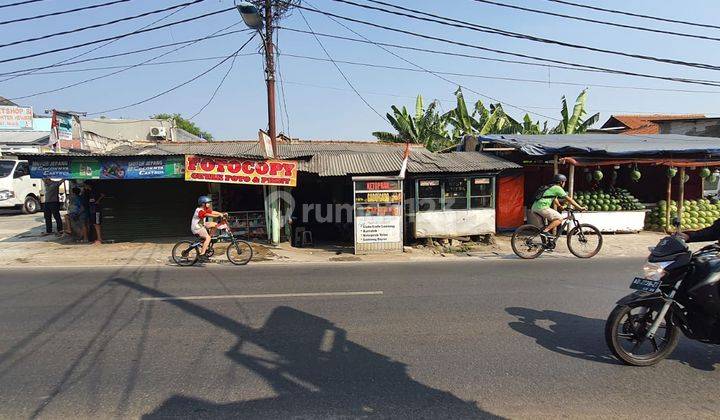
{"x":582,"y":337}
{"x":314,"y":370}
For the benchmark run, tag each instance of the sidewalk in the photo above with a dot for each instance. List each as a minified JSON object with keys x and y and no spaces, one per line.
{"x":31,"y":249}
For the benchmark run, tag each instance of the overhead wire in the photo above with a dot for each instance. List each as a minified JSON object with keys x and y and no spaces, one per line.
{"x":637,"y":15}
{"x":98,"y":25}
{"x":97,"y":47}
{"x":178,"y":86}
{"x":97,"y":41}
{"x":599,"y":22}
{"x":438,"y":75}
{"x":340,"y":70}
{"x":132,"y":66}
{"x":217,"y":89}
{"x":282,"y":85}
{"x":442,"y":20}
{"x":515,"y":54}
{"x":64,"y":12}
{"x":19,"y":3}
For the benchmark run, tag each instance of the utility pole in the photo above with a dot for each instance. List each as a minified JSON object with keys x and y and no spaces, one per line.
{"x":270,"y":75}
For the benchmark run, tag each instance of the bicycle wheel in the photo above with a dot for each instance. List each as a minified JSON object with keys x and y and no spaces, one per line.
{"x":584,"y":241}
{"x":185,"y":254}
{"x":239,"y":253}
{"x":526,"y":242}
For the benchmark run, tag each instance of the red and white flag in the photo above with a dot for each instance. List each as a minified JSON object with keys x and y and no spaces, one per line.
{"x":54,"y":137}
{"x":406,"y":156}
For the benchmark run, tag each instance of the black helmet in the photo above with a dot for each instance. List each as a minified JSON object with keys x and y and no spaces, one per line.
{"x":559,"y":178}
{"x":204,"y":199}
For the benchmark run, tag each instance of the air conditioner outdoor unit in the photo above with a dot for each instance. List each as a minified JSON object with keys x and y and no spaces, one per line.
{"x":158,"y":132}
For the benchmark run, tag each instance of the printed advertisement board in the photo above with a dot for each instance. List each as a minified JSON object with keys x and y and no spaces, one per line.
{"x":378,"y":229}
{"x":378,"y":214}
{"x":129,"y":168}
{"x":16,"y":118}
{"x":238,"y":171}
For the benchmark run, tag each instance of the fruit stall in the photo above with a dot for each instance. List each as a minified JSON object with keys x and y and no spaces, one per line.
{"x":614,"y":210}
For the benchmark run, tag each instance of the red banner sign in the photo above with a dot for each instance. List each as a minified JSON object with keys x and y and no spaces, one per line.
{"x":239,"y":171}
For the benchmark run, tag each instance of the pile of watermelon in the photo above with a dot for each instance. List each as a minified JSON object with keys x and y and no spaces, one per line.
{"x":697,"y":214}
{"x":614,"y":199}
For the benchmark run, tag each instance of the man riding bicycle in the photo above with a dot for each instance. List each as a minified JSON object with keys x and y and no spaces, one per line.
{"x":551,"y":195}
{"x":202,"y":228}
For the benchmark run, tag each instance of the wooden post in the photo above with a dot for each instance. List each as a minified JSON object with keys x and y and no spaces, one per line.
{"x":555,"y":165}
{"x":571,"y":180}
{"x":682,"y":194}
{"x":667,"y":207}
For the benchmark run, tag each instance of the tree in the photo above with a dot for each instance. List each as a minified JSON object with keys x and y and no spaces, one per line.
{"x":426,"y":127}
{"x":184,"y":124}
{"x":573,"y":124}
{"x":481,"y":121}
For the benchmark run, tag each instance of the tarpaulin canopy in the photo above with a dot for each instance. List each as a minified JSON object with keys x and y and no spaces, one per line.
{"x":608,"y":144}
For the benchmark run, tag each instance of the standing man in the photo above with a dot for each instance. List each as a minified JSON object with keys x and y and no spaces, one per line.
{"x":95,"y":212}
{"x":51,"y":205}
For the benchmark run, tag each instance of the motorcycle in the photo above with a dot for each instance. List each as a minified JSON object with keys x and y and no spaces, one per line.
{"x":679,"y":291}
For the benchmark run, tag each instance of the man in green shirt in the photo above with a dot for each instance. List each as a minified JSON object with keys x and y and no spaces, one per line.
{"x":543,"y":206}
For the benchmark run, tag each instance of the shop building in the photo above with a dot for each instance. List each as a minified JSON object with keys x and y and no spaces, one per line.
{"x":152,"y":190}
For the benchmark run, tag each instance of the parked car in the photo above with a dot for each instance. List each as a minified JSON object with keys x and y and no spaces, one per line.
{"x":17,"y":189}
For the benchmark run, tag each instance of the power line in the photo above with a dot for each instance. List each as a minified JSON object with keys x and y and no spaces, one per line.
{"x":20,"y":3}
{"x":638,"y":15}
{"x":97,"y":41}
{"x":514,"y":54}
{"x":64,"y":12}
{"x":132,"y":66}
{"x":232,"y":63}
{"x":35,"y":70}
{"x":436,"y":74}
{"x":97,"y":25}
{"x":599,"y":22}
{"x":97,"y":47}
{"x":178,"y":85}
{"x":442,"y":20}
{"x":282,"y":85}
{"x":340,"y":70}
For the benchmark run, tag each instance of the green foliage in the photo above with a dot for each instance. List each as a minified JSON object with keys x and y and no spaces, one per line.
{"x":573,"y":123}
{"x":184,"y":124}
{"x":426,"y":127}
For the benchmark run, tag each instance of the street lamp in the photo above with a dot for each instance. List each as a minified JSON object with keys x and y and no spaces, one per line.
{"x":250,"y":15}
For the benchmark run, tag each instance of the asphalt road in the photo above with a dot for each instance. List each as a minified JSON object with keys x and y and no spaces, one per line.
{"x":474,"y":339}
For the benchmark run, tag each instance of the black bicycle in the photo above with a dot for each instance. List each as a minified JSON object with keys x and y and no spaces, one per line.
{"x":584,"y":240}
{"x":239,"y":252}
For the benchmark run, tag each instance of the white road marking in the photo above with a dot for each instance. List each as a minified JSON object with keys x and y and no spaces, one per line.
{"x":265,"y":296}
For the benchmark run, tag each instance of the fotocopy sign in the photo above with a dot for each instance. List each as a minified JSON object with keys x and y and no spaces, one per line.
{"x":378,"y":214}
{"x":16,"y":118}
{"x":238,"y":171}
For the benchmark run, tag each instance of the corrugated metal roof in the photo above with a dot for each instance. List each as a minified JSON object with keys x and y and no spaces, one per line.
{"x":23,"y":137}
{"x":609,"y":144}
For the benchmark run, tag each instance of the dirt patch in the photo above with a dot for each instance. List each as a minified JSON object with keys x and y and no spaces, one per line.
{"x":348,"y":258}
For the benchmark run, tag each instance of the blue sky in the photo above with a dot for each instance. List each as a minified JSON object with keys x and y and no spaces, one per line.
{"x":320,"y":104}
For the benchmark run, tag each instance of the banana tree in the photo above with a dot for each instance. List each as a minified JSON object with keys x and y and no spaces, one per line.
{"x":574,"y":124}
{"x":528,"y":126}
{"x":426,"y":126}
{"x":481,"y":121}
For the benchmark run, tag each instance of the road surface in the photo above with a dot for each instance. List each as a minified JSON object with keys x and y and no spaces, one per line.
{"x":471,"y":339}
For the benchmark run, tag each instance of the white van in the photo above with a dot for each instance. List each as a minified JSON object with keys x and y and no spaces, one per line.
{"x":17,"y":189}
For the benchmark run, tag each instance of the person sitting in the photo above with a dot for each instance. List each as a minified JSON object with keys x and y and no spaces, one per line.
{"x":75,"y":217}
{"x":546,"y":197}
{"x":204,"y":228}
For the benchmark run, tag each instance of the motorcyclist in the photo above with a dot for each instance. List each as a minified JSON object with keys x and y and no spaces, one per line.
{"x":710,"y":233}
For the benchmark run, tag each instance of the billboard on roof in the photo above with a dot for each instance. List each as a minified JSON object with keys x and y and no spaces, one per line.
{"x":16,"y":118}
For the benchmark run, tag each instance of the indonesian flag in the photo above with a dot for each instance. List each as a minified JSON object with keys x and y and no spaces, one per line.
{"x":406,"y":156}
{"x":54,"y":138}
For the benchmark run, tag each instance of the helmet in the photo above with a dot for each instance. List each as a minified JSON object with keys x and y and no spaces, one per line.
{"x":559,"y":178}
{"x":204,"y":199}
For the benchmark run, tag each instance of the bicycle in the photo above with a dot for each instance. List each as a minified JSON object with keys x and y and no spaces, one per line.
{"x":239,"y":252}
{"x":528,"y":243}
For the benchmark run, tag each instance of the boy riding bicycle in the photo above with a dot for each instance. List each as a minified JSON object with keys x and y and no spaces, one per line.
{"x":545,"y":199}
{"x":202,"y":227}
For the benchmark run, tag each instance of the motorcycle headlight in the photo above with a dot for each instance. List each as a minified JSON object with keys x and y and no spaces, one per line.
{"x":6,"y":195}
{"x":655,"y":271}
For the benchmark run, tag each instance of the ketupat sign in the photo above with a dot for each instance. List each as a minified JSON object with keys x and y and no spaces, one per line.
{"x":238,"y":171}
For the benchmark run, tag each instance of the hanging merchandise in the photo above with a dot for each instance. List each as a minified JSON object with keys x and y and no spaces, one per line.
{"x":671,"y":172}
{"x":597,"y":175}
{"x":635,"y":175}
{"x":705,"y":172}
{"x":588,"y":175}
{"x":686,"y":178}
{"x":715,"y":175}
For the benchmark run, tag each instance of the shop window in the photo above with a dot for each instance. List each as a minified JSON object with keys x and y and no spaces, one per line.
{"x":456,"y":194}
{"x":429,"y":193}
{"x":481,"y":193}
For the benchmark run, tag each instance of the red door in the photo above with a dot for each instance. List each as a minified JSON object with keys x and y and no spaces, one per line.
{"x":510,"y":202}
